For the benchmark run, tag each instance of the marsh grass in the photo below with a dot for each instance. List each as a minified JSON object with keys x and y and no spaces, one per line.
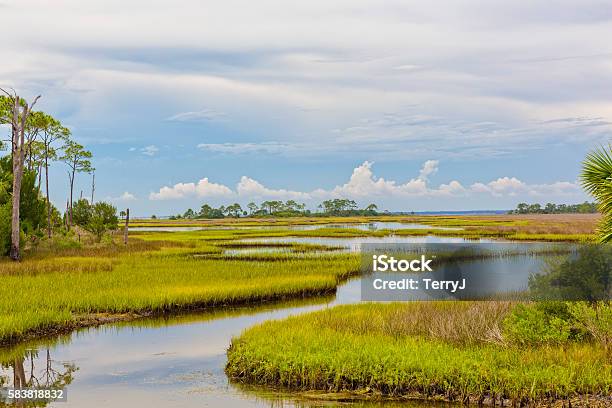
{"x":160,"y":281}
{"x":449,"y":350}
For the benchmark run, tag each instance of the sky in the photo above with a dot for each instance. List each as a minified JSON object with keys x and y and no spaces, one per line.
{"x":412,"y":105}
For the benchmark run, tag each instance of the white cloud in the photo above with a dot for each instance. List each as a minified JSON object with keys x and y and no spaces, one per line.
{"x":196,"y":116}
{"x":126,"y":196}
{"x":245,"y":148}
{"x":511,"y":186}
{"x":203,"y":188}
{"x":364,"y":184}
{"x":247,"y":187}
{"x":430,"y":167}
{"x":150,"y":150}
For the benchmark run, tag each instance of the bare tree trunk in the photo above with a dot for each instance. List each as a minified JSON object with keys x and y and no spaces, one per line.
{"x":18,"y":155}
{"x":19,"y":377}
{"x":71,"y":193}
{"x":39,"y":174}
{"x":93,"y":186}
{"x":67,"y":216}
{"x":15,"y":228}
{"x":18,"y":126}
{"x":47,"y":191}
{"x":125,"y":230}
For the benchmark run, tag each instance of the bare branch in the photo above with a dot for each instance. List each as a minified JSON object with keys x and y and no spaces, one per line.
{"x":34,"y":102}
{"x":13,"y":96}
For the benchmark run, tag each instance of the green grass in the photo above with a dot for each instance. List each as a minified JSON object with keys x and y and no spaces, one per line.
{"x":450,"y":350}
{"x":39,"y":294}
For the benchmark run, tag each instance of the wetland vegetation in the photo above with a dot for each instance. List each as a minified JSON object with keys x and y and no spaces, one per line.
{"x":84,"y":273}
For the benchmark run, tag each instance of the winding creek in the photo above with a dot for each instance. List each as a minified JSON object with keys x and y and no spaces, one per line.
{"x":179,"y":361}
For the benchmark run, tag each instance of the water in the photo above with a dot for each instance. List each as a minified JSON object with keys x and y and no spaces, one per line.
{"x":370,"y":226}
{"x":355,"y":244}
{"x":178,"y":361}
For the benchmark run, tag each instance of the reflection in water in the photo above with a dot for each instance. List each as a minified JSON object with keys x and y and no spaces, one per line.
{"x":25,"y":367}
{"x":355,"y":244}
{"x":170,"y":361}
{"x":281,"y":398}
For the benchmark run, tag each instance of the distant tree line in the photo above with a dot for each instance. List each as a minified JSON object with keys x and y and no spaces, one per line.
{"x":277,"y":208}
{"x":550,"y":208}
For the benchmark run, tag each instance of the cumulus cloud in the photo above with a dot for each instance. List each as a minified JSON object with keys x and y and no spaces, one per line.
{"x":511,"y":186}
{"x":150,"y":150}
{"x":202,"y":188}
{"x":247,"y":187}
{"x":124,"y":197}
{"x":364,"y":184}
{"x":430,"y":167}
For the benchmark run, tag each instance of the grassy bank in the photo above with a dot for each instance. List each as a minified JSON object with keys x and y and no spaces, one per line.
{"x":42,"y":293}
{"x":456,"y":351}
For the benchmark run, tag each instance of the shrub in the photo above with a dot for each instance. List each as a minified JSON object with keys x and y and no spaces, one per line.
{"x":557,"y":322}
{"x":103,"y":218}
{"x":81,"y":212}
{"x":5,"y":228}
{"x":537,"y":323}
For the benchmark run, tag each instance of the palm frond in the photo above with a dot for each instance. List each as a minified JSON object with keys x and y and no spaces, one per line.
{"x":596,"y":179}
{"x":605,"y":229}
{"x":596,"y":174}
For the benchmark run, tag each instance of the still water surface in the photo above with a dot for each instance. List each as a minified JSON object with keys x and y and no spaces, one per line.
{"x":178,"y":361}
{"x":370,"y":226}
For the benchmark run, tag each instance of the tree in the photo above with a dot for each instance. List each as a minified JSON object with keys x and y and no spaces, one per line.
{"x":103,"y":217}
{"x":208,"y":212}
{"x":371,"y":209}
{"x":550,"y":208}
{"x":52,"y":131}
{"x":77,"y":159}
{"x":596,"y":179}
{"x":272,"y":206}
{"x":81,"y":213}
{"x":291,"y":205}
{"x":234,"y":210}
{"x":252,"y":208}
{"x":15,"y":111}
{"x":32,"y":207}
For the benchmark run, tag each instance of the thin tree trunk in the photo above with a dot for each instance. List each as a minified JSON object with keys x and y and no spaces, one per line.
{"x":19,"y":377}
{"x":18,"y":156}
{"x":93,"y":187}
{"x":39,"y":182}
{"x":71,"y":192}
{"x":125,"y":230}
{"x":18,"y":125}
{"x":47,"y":191}
{"x":15,"y":228}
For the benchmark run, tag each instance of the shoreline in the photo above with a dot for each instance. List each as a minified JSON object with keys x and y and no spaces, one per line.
{"x":93,"y":320}
{"x":368,"y":395}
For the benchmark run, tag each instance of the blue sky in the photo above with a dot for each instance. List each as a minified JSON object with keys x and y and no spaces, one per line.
{"x":413,"y":105}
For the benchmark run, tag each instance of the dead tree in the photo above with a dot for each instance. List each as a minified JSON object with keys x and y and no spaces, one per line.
{"x":20,"y":111}
{"x":127,"y":222}
{"x":93,"y":185}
